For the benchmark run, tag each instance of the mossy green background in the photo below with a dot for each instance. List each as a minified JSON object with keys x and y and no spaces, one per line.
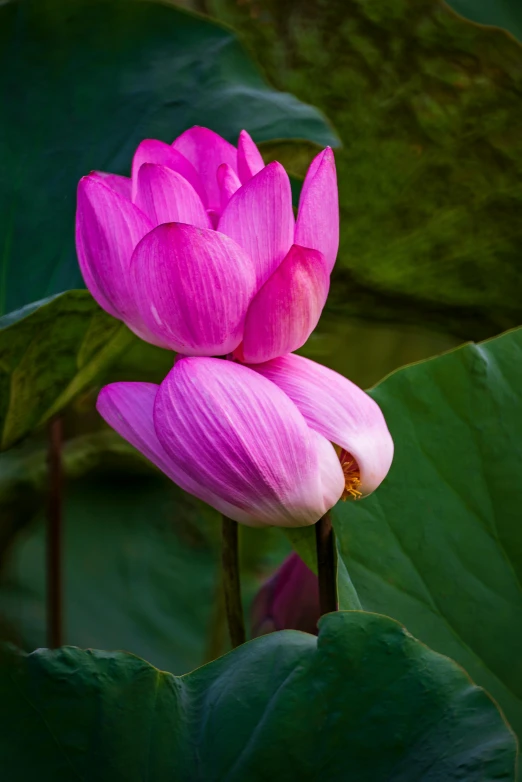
{"x":429,"y":110}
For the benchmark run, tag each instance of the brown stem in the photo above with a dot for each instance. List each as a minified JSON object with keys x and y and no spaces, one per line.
{"x":231,"y":583}
{"x":54,"y":537}
{"x":325,"y":545}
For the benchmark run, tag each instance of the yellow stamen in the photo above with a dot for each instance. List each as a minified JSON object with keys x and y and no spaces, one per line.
{"x":352,"y":476}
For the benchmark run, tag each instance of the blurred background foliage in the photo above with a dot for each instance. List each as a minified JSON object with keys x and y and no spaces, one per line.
{"x":98,"y":76}
{"x":506,"y":14}
{"x":428,"y":110}
{"x":141,"y":557}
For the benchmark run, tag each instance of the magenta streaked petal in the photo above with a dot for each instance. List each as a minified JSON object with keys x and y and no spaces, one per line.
{"x":153,"y":151}
{"x":228,"y":182}
{"x":286,"y":309}
{"x":120,"y":184}
{"x":108,"y":228}
{"x":166,"y":197}
{"x":193,"y":288}
{"x":128,"y":409}
{"x":330,"y":471}
{"x":289,"y":600}
{"x":213,"y":216}
{"x":249,"y":160}
{"x":242,"y":437}
{"x":207,"y":151}
{"x":260,"y":219}
{"x":317,"y":223}
{"x":337,"y":409}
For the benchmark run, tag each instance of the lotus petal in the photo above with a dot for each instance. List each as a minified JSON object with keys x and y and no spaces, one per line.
{"x":249,"y":160}
{"x":193,"y":288}
{"x":166,"y":197}
{"x":287,"y":308}
{"x":207,"y":151}
{"x":108,"y":228}
{"x":154,"y":151}
{"x":260,"y":219}
{"x":317,"y":223}
{"x":241,"y":436}
{"x":337,"y":409}
{"x":287,"y":601}
{"x":128,"y":409}
{"x":228,"y":182}
{"x":120,"y":184}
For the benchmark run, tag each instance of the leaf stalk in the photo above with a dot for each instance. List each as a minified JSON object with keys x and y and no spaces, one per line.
{"x":231,"y":582}
{"x":326,"y":564}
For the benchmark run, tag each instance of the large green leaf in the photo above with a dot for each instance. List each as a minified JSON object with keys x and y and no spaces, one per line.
{"x":429,"y":109}
{"x":439,"y":544}
{"x":498,"y":13}
{"x":365,"y":702}
{"x":49,"y":352}
{"x":82,"y":82}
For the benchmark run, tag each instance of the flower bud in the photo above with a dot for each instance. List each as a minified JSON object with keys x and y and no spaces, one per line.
{"x":289,"y":600}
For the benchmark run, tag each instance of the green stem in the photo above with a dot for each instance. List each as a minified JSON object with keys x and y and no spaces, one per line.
{"x":231,"y":582}
{"x":326,"y":570}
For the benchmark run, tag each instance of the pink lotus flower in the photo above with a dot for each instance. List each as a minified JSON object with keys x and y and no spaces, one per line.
{"x":199,"y":251}
{"x":289,"y":600}
{"x":257,"y":448}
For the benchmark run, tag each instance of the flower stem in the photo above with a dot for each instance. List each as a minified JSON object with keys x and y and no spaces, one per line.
{"x":54,"y":537}
{"x":231,"y":582}
{"x":325,"y":546}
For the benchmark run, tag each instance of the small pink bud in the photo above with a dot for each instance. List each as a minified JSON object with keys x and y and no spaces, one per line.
{"x":289,"y":600}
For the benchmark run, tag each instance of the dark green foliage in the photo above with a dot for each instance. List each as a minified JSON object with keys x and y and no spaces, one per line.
{"x":50,"y":351}
{"x":365,"y":701}
{"x":429,"y":110}
{"x":506,"y":14}
{"x":82,"y":82}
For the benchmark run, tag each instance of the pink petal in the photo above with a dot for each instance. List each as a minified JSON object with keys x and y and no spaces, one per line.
{"x":108,"y":228}
{"x":332,"y":479}
{"x":260,"y":219}
{"x":128,"y":409}
{"x":337,"y":409}
{"x":249,"y":160}
{"x":317,"y":223}
{"x":193,"y":288}
{"x":228,"y":182}
{"x":153,"y":151}
{"x":287,"y":601}
{"x":120,"y":184}
{"x":243,"y":438}
{"x":287,"y":308}
{"x":166,"y":197}
{"x":207,"y":151}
